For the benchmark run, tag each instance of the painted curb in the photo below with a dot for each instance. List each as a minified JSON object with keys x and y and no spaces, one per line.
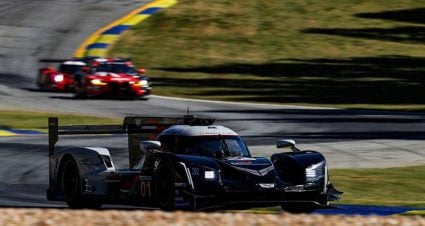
{"x":415,"y":212}
{"x":355,"y":209}
{"x":97,"y":44}
{"x":16,"y":132}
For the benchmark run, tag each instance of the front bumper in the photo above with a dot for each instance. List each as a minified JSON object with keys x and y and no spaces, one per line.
{"x":117,"y":90}
{"x":254,"y":198}
{"x":249,"y":200}
{"x":147,"y":91}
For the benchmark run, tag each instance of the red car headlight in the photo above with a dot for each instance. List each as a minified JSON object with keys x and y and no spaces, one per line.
{"x":97,"y":82}
{"x":142,"y":83}
{"x":58,"y":78}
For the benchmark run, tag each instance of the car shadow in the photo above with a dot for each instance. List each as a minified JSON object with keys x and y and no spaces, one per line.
{"x":39,"y":90}
{"x":97,"y":98}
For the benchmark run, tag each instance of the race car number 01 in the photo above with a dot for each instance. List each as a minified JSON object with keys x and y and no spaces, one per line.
{"x":145,"y":188}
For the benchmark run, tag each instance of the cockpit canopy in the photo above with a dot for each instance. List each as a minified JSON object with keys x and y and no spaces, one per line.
{"x":216,"y":146}
{"x":212,"y":141}
{"x":116,"y":67}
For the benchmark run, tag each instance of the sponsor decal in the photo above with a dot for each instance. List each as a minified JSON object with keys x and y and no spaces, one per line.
{"x":195,"y":171}
{"x":138,"y":122}
{"x":145,"y":188}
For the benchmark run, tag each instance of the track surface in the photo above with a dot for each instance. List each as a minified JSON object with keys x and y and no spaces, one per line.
{"x":34,"y":29}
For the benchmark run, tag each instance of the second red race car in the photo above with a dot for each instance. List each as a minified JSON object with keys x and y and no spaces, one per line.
{"x":111,"y":78}
{"x":60,"y":79}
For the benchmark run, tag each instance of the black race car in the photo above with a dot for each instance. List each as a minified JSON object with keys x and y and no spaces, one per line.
{"x":192,"y":165}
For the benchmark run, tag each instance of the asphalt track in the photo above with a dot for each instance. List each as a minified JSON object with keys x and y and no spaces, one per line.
{"x":34,"y":29}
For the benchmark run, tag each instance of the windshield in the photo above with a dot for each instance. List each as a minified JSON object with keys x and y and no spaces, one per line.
{"x":69,"y":69}
{"x":228,"y":146}
{"x":116,"y":68}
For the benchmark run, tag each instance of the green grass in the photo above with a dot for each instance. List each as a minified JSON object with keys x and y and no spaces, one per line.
{"x":38,"y":120}
{"x":392,"y":186}
{"x":351,"y":54}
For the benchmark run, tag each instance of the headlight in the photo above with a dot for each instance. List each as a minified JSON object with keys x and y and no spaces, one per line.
{"x":97,"y":82}
{"x":58,"y":78}
{"x":315,"y":172}
{"x":209,"y":174}
{"x":143,"y":83}
{"x":140,"y":83}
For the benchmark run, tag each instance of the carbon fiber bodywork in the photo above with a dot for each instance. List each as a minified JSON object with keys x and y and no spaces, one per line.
{"x":165,"y":177}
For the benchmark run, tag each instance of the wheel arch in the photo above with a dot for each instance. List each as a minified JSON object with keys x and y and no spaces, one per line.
{"x":291,"y":165}
{"x":64,"y":158}
{"x":87,"y":159}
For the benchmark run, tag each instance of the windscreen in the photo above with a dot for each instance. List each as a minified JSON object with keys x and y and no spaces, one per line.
{"x":229,"y":146}
{"x":116,"y":68}
{"x":70,"y":69}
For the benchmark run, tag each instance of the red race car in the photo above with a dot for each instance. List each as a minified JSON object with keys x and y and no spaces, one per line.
{"x":60,"y":79}
{"x":111,"y":78}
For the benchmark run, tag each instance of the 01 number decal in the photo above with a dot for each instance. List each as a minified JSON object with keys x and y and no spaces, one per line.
{"x":145,"y":188}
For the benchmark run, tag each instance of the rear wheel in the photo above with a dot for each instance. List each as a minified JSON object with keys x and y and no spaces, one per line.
{"x":39,"y":81}
{"x":43,"y":81}
{"x":71,"y":187}
{"x":164,"y":186}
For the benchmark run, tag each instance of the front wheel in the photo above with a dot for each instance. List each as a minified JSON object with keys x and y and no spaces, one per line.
{"x":71,"y":187}
{"x":145,"y":98}
{"x":80,"y":94}
{"x":79,"y":90}
{"x":164,"y":186}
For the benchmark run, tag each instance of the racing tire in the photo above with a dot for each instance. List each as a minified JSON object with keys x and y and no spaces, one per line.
{"x":42,"y":82}
{"x":39,"y":81}
{"x":71,"y":187}
{"x":80,"y":95}
{"x":144,"y":98}
{"x":164,"y":186}
{"x":79,"y":91}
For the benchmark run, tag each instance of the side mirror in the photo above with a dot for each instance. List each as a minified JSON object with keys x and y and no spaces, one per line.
{"x":150,"y":145}
{"x":282,"y":143}
{"x":146,"y":147}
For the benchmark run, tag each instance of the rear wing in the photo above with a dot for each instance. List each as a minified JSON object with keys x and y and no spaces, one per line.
{"x":136,"y":127}
{"x":53,"y":60}
{"x":83,"y":59}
